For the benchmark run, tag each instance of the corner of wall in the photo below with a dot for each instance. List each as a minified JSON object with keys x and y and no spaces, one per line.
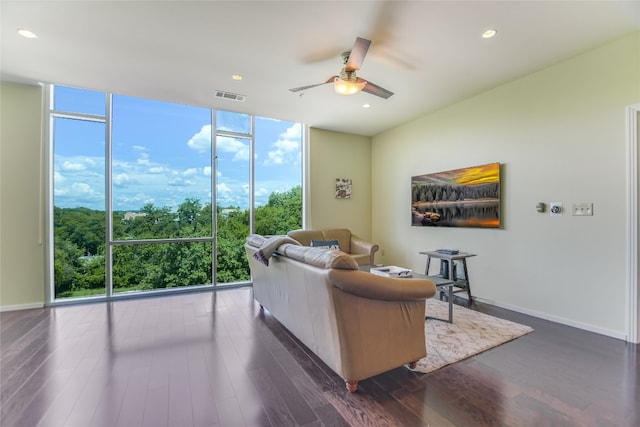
{"x":336,"y":155}
{"x":22,"y":255}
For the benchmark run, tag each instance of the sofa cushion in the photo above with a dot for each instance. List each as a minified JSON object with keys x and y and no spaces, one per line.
{"x":330,"y":244}
{"x":320,"y":257}
{"x":342,"y":235}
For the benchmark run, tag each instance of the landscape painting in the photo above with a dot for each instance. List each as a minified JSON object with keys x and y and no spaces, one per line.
{"x":468,"y":197}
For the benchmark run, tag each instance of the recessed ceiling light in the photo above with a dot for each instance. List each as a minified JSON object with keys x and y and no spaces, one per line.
{"x":366,"y":105}
{"x":489,"y":33}
{"x":26,"y":33}
{"x":236,"y":77}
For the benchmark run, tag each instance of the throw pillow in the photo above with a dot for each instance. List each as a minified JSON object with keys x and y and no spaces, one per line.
{"x":327,"y":244}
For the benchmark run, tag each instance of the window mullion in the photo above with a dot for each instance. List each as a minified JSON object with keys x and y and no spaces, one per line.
{"x":252,"y":177}
{"x":108,"y":250}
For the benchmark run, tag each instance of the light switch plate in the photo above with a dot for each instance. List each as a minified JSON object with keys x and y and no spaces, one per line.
{"x":582,"y":209}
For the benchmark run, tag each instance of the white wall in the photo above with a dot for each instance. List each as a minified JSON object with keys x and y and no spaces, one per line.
{"x":560,"y":135}
{"x":21,"y":201}
{"x":338,"y":155}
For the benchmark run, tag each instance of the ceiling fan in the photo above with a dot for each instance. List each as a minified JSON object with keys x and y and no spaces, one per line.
{"x":347,"y":82}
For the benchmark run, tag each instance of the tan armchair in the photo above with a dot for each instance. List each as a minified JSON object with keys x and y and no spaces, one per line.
{"x":362,"y":251}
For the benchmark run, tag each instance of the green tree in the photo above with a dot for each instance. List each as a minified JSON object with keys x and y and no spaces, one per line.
{"x":231,"y":232}
{"x":281,"y":214}
{"x":66,"y":266}
{"x":79,"y":265}
{"x":189,"y":213}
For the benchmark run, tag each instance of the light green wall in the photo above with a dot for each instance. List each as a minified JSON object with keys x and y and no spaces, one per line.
{"x":334,"y":155}
{"x":21,"y":201}
{"x":560,"y":135}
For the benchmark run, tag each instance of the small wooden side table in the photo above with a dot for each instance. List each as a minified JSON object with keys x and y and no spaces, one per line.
{"x":461,"y":284}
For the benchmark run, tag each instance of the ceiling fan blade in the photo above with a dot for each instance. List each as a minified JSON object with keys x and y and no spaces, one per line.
{"x":377,"y":90}
{"x":358,"y":52}
{"x":298,"y":89}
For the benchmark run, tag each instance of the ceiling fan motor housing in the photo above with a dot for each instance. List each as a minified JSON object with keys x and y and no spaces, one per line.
{"x":345,"y":57}
{"x":349,"y":76}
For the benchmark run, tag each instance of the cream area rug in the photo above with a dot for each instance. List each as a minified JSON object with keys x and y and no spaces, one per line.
{"x":471,"y":333}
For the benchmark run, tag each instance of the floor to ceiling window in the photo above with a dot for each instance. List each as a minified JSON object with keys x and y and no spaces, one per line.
{"x":79,"y":196}
{"x":152,"y":167}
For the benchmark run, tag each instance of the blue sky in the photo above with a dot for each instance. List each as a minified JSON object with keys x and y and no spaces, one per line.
{"x":162,"y":154}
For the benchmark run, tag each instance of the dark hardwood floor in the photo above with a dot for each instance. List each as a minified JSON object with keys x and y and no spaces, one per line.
{"x":214,"y":359}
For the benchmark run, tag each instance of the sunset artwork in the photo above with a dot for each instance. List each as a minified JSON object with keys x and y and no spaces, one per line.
{"x":468,"y":197}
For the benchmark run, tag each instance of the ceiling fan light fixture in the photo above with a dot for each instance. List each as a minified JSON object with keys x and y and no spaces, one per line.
{"x":347,"y":83}
{"x":346,"y":87}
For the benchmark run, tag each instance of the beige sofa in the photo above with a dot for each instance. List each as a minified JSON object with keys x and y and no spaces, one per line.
{"x":359,"y":324}
{"x":362,"y":251}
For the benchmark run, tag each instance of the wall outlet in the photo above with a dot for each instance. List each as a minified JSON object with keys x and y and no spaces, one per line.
{"x":582,"y":209}
{"x":555,"y":208}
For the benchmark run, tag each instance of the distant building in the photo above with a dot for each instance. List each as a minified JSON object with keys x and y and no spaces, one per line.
{"x":227,"y":211}
{"x":132,"y":215}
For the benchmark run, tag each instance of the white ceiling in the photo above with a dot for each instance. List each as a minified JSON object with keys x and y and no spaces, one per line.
{"x":429,"y":53}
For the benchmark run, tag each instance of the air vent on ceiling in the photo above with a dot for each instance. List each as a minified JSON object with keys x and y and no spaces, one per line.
{"x":230,"y":95}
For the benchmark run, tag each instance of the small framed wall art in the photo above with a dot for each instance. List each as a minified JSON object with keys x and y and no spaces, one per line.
{"x":343,"y":188}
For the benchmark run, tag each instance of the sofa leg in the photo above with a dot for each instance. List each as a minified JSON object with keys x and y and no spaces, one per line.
{"x":413,"y":365}
{"x":352,"y":386}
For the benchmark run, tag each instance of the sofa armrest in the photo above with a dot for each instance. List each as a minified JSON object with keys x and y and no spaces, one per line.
{"x":373,"y":286}
{"x":360,"y":246}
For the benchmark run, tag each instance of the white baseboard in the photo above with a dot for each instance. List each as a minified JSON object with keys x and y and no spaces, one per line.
{"x":21,"y":306}
{"x":557,"y":319}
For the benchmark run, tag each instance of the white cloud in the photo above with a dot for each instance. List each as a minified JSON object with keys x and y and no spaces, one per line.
{"x":58,"y":178}
{"x":201,"y":141}
{"x":223,"y":188}
{"x":232,"y":145}
{"x":82,"y":188}
{"x":157,"y":169}
{"x":139,"y":199}
{"x":73,"y":166}
{"x":121,"y":179}
{"x":287,"y":148}
{"x":293,"y":132}
{"x":242,"y":155}
{"x":143,"y":159}
{"x":274,"y":158}
{"x":179,"y":182}
{"x":190,"y":171}
{"x":287,"y":145}
{"x":206,"y":171}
